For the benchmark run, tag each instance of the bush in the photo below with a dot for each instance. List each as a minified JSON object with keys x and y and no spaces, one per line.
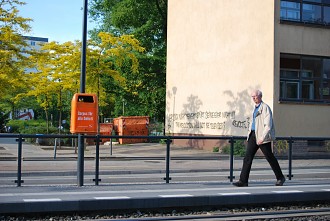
{"x":18,"y":126}
{"x":32,"y":127}
{"x":239,"y":148}
{"x":3,"y":121}
{"x":281,"y":146}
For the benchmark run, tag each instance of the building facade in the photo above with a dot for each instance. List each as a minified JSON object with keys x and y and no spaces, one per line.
{"x":32,"y":44}
{"x":35,"y":44}
{"x":219,"y":51}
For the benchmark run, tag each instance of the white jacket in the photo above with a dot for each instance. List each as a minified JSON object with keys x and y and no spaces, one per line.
{"x":264,"y":125}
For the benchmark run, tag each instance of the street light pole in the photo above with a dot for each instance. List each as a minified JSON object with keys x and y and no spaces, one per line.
{"x":123,"y":106}
{"x":81,"y":144}
{"x":83,"y":50}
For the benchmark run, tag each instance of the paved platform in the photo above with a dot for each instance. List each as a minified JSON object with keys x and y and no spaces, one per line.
{"x":130,"y":159}
{"x":145,"y":196}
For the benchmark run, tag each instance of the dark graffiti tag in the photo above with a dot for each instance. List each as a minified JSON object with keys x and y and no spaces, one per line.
{"x":241,"y":124}
{"x":201,"y":125}
{"x":199,"y":120}
{"x":202,"y":115}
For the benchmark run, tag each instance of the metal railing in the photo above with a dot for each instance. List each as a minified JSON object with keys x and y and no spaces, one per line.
{"x":20,"y":138}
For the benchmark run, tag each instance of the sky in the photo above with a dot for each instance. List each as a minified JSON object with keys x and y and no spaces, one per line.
{"x":57,"y":20}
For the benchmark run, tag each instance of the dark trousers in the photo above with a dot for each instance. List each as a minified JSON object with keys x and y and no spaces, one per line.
{"x":251,"y":150}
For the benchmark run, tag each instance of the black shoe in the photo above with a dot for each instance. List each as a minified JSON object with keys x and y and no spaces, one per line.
{"x":280,"y":182}
{"x":240,"y":184}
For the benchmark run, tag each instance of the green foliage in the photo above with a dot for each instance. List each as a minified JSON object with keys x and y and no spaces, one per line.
{"x":117,"y":69}
{"x":12,"y":44}
{"x":3,"y":120}
{"x":39,"y":130}
{"x":146,"y":19}
{"x":239,"y":148}
{"x":215,"y":149}
{"x":29,"y":126}
{"x":327,"y":145}
{"x":156,"y":128}
{"x":281,"y":146}
{"x":145,"y":90}
{"x":32,"y":127}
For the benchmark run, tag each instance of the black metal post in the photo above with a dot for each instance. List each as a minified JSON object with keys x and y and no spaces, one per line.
{"x":80,"y":161}
{"x":19,"y":180}
{"x":111,"y":146}
{"x":80,"y":172}
{"x":168,"y":146}
{"x":290,"y":158}
{"x":97,"y":160}
{"x":231,"y":169}
{"x":83,"y":50}
{"x":55,"y":148}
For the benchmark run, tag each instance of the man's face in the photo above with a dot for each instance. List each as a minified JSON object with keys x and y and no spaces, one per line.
{"x":256,"y":99}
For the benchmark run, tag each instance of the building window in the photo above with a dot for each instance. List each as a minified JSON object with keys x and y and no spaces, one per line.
{"x":327,"y":15}
{"x":33,"y":43}
{"x":304,"y":78}
{"x":315,"y":12}
{"x":290,"y":11}
{"x":311,"y":13}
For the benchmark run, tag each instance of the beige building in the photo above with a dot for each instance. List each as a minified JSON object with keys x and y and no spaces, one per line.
{"x":33,"y":43}
{"x":220,"y":50}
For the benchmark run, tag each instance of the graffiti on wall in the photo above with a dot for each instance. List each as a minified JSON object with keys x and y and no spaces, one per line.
{"x":206,"y":120}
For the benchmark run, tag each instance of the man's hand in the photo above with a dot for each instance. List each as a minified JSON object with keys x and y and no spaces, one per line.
{"x":260,"y":142}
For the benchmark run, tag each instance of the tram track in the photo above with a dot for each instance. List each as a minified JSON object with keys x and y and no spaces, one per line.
{"x":311,"y":214}
{"x":323,"y":214}
{"x":267,"y":215}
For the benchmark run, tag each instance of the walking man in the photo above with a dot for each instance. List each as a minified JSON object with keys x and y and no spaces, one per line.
{"x":261,"y":134}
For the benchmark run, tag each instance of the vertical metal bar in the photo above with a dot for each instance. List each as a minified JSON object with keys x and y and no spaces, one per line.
{"x":80,"y":167}
{"x":290,"y":158}
{"x":231,"y":169}
{"x":19,"y":180}
{"x":111,"y":146}
{"x":80,"y":161}
{"x":168,"y":146}
{"x":83,"y":50}
{"x":55,"y":147}
{"x":97,"y":160}
{"x":75,"y":145}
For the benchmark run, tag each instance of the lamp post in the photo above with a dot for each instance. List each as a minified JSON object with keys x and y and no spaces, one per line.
{"x":124,"y":106}
{"x":81,"y":144}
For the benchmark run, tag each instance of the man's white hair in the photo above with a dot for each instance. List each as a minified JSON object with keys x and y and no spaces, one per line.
{"x":257,"y":92}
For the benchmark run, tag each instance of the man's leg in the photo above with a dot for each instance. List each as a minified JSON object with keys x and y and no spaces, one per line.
{"x":251,"y":150}
{"x":267,"y":151}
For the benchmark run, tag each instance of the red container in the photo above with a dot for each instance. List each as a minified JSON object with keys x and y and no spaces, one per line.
{"x":106,"y":130}
{"x":131,"y":126}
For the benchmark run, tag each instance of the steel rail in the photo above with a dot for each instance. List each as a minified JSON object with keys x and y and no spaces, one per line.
{"x":238,"y":216}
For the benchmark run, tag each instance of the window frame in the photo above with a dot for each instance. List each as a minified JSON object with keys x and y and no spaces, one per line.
{"x":315,"y":82}
{"x":300,"y":21}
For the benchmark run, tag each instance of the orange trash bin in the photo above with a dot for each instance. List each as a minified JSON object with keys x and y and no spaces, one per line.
{"x":84,"y":114}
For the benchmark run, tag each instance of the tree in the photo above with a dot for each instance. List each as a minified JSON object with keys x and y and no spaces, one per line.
{"x":58,"y":72}
{"x":3,"y":121}
{"x":146,"y":20}
{"x":55,"y":72}
{"x":12,"y":45}
{"x":106,"y":57}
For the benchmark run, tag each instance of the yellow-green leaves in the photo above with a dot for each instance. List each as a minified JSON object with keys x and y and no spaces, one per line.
{"x":58,"y":66}
{"x":12,"y":62}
